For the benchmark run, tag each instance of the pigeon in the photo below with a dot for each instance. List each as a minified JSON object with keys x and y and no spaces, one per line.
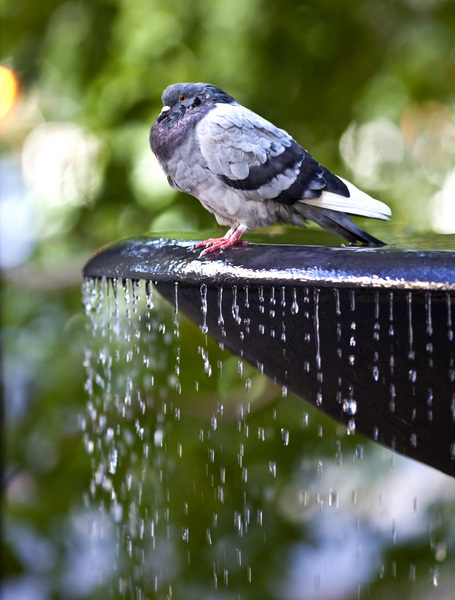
{"x":248,"y":172}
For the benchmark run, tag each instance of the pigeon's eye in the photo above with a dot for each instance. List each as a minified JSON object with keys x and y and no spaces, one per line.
{"x":182,"y":97}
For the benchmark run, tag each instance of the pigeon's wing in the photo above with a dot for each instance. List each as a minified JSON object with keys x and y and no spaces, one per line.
{"x":249,"y":153}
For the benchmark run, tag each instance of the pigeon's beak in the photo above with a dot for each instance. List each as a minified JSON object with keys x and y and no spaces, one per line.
{"x":163,"y":112}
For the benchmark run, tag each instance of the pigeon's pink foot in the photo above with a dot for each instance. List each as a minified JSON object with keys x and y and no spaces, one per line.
{"x":232,"y":238}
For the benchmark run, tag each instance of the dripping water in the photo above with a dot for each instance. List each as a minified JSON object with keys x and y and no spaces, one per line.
{"x":140,"y":476}
{"x":203,"y":326}
{"x":128,"y":325}
{"x":449,"y":318}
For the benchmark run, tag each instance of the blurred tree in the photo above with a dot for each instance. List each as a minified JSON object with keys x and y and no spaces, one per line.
{"x":311,"y":67}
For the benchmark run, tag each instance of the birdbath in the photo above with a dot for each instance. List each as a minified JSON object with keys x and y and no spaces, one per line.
{"x":363,"y":334}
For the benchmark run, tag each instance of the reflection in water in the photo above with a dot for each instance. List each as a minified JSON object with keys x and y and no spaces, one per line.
{"x":211,"y":482}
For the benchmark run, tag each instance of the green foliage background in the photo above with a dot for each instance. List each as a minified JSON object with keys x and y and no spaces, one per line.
{"x":313,"y":68}
{"x":316,"y":68}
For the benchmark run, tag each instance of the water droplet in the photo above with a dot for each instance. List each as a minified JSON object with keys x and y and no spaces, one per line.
{"x":113,"y":460}
{"x":317,"y":329}
{"x":261,"y":293}
{"x":285,"y":436}
{"x":337,"y":302}
{"x":294,"y":305}
{"x":220,"y":307}
{"x":391,"y":304}
{"x":449,"y":317}
{"x":148,"y":295}
{"x":272,"y":468}
{"x":203,"y":327}
{"x":238,"y":553}
{"x":411,"y":353}
{"x":206,"y":362}
{"x":429,"y":319}
{"x":352,"y":296}
{"x":435,"y":576}
{"x":158,"y":438}
{"x":349,"y":406}
{"x":235,"y":307}
{"x":247,"y":296}
{"x":392,"y":397}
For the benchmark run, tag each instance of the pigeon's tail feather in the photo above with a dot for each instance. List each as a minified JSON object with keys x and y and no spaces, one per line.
{"x":338,"y":223}
{"x":357,"y":203}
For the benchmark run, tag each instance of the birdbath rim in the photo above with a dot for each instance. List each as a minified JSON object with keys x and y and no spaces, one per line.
{"x":163,"y":259}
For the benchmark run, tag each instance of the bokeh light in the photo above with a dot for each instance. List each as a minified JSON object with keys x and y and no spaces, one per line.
{"x":8,"y":90}
{"x":61,"y":163}
{"x":370,"y":148}
{"x":444,"y":206}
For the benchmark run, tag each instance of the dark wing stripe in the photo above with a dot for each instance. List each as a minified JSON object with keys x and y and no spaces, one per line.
{"x":311,"y":180}
{"x":263,"y":174}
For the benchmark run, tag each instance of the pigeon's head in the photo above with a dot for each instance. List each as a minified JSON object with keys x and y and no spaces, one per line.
{"x":181,"y":99}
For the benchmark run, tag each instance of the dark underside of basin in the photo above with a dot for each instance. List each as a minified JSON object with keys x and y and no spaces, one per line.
{"x":365,"y":335}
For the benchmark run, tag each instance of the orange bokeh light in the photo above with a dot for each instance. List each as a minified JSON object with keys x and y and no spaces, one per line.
{"x":8,"y":90}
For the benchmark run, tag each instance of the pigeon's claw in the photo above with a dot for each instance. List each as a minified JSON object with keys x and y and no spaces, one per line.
{"x":232,"y":238}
